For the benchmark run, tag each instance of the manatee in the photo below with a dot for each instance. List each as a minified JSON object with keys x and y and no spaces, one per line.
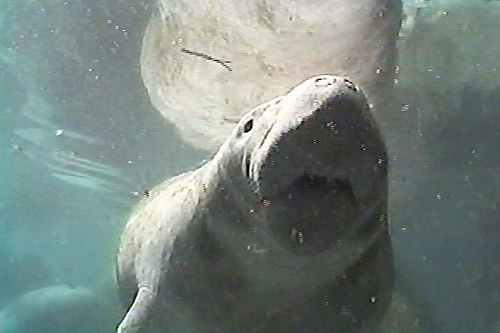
{"x":57,"y":309}
{"x":268,"y":46}
{"x":284,"y":230}
{"x":21,"y":272}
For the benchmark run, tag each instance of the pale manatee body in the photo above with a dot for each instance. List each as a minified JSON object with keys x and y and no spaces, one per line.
{"x":284,"y":230}
{"x":57,"y":309}
{"x":270,"y":45}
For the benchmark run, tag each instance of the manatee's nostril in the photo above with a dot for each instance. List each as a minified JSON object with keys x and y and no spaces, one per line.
{"x":350,"y":85}
{"x":323,"y":81}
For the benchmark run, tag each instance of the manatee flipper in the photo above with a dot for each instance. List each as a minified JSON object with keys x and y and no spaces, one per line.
{"x":139,"y":311}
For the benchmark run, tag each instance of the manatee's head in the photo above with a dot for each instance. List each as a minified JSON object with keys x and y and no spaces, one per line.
{"x":315,"y":162}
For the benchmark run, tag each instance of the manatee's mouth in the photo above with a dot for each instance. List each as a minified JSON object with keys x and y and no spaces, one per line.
{"x":312,"y":213}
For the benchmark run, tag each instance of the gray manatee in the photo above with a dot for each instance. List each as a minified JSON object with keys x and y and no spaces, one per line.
{"x":237,"y":54}
{"x":284,"y":230}
{"x":57,"y":309}
{"x":21,"y":272}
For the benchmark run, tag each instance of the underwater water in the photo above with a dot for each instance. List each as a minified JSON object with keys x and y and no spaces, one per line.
{"x":81,"y":143}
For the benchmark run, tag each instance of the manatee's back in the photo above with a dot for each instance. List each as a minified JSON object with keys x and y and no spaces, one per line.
{"x":143,"y":239}
{"x":271,"y":45}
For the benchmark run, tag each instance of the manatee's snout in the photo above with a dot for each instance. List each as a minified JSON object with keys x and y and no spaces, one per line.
{"x":323,"y":129}
{"x":328,"y":80}
{"x":321,"y":164}
{"x":324,"y":80}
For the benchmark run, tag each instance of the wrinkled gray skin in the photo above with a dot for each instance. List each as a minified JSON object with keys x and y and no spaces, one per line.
{"x":271,"y":45}
{"x":284,"y":230}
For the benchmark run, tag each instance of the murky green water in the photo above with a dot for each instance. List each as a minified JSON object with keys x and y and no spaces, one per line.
{"x":80,"y":142}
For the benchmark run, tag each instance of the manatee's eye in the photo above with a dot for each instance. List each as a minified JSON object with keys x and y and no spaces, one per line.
{"x":248,"y":126}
